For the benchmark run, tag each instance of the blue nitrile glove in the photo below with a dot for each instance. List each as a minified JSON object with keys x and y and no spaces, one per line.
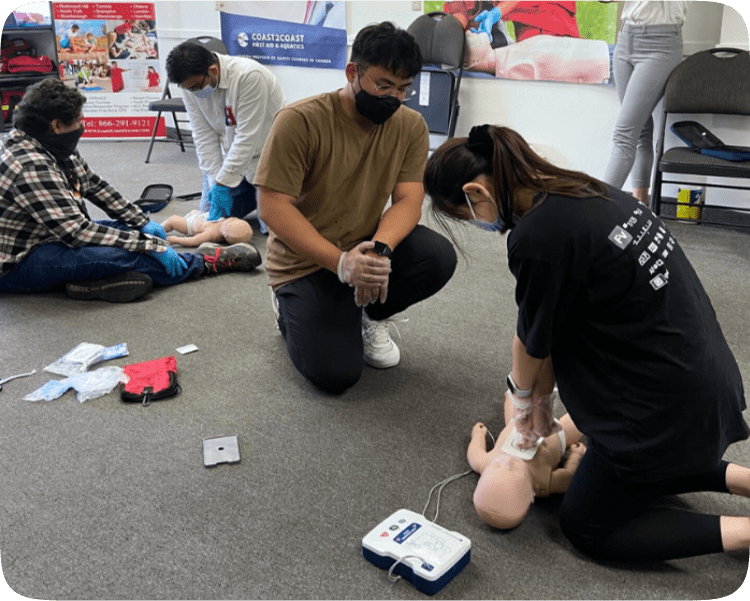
{"x":173,"y":263}
{"x":486,"y":19}
{"x":220,"y":199}
{"x":155,"y":229}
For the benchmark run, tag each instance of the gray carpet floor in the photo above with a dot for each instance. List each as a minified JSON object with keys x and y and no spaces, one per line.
{"x":107,"y":500}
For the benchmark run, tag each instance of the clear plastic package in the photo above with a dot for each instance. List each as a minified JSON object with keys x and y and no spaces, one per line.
{"x":79,"y":359}
{"x":89,"y":385}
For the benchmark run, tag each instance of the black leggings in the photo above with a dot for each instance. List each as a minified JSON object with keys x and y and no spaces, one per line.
{"x":609,"y":518}
{"x":322,"y":324}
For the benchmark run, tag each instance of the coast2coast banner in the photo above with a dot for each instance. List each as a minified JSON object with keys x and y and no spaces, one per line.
{"x":110,"y":52}
{"x":291,"y":33}
{"x":552,"y":41}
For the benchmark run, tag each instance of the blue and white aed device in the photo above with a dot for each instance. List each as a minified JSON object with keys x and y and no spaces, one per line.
{"x":428,"y":555}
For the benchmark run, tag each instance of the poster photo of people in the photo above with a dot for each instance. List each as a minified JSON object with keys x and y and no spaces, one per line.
{"x":552,"y":41}
{"x":89,"y":51}
{"x":110,"y":52}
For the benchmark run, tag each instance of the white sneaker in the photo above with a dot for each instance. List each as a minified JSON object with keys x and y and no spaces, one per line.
{"x":380,"y":351}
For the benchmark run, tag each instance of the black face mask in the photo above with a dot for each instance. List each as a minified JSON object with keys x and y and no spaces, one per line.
{"x":61,"y":146}
{"x":377,"y":109}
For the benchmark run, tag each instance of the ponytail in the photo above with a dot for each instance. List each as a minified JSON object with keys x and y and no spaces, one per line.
{"x":501,"y":153}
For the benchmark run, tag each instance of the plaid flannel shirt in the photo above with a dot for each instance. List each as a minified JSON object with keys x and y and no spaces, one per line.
{"x":40,"y":203}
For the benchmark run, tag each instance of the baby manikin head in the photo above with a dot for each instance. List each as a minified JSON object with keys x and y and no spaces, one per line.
{"x":235,"y":230}
{"x":504,"y":493}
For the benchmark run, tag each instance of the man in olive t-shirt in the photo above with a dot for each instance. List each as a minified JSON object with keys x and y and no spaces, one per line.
{"x":340,"y":264}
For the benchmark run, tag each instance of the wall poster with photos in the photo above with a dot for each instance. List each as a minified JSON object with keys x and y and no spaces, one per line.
{"x":110,"y":52}
{"x":568,"y":42}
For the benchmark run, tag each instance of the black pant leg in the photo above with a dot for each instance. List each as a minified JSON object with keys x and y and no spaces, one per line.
{"x":608,"y":518}
{"x":712,"y":481}
{"x":421,"y":265}
{"x":322,"y":326}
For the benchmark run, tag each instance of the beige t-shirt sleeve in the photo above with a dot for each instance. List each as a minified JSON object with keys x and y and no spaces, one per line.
{"x":415,"y":160}
{"x":284,"y":161}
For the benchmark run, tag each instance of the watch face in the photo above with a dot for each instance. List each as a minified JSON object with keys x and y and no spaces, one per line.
{"x":382,"y":249}
{"x":511,"y":385}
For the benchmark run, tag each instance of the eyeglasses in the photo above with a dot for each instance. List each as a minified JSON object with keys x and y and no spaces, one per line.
{"x":406,"y":92}
{"x":194,"y":88}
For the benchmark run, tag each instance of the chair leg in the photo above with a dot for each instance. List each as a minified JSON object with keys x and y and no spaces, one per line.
{"x":656,"y":192}
{"x":178,"y":132}
{"x":153,"y":136}
{"x":453,"y":121}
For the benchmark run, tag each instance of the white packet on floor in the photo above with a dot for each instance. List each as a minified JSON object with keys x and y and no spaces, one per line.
{"x":79,"y":359}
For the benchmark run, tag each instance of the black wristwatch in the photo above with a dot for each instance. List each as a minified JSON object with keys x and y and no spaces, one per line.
{"x":515,"y":390}
{"x":382,"y":249}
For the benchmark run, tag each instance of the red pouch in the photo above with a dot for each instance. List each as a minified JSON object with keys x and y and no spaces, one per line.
{"x":15,"y":46}
{"x":30,"y":64}
{"x":150,"y":381}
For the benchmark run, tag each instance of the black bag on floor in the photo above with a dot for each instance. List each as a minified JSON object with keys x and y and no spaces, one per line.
{"x":154,"y":197}
{"x":703,"y":141}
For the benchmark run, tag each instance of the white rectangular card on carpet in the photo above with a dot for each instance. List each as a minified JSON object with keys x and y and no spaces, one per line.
{"x":221,"y":449}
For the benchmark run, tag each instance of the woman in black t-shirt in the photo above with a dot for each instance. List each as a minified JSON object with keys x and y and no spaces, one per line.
{"x":611,"y":310}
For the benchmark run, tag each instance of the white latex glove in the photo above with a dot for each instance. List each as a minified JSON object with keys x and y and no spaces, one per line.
{"x":362,"y":270}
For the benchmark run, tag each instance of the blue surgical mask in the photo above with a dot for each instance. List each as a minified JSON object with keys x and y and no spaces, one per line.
{"x":496,"y":226}
{"x":204,"y":92}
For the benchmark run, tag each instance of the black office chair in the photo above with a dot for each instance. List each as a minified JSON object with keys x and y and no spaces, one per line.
{"x":212,"y":43}
{"x":442,"y":41}
{"x":168,"y":104}
{"x":711,"y":82}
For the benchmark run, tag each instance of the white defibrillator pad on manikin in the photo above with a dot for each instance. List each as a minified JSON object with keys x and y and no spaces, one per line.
{"x":510,"y":445}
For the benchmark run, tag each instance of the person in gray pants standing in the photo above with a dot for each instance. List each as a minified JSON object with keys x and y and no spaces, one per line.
{"x":649,"y":47}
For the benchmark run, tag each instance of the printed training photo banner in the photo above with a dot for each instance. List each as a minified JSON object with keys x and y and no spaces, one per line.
{"x":292,"y":33}
{"x":551,"y":41}
{"x":110,"y":52}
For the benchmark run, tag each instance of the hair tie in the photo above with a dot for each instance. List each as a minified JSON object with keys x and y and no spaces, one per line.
{"x":480,"y":141}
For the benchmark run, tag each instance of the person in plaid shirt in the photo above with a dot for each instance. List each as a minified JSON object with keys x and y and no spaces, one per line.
{"x":48,"y":240}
